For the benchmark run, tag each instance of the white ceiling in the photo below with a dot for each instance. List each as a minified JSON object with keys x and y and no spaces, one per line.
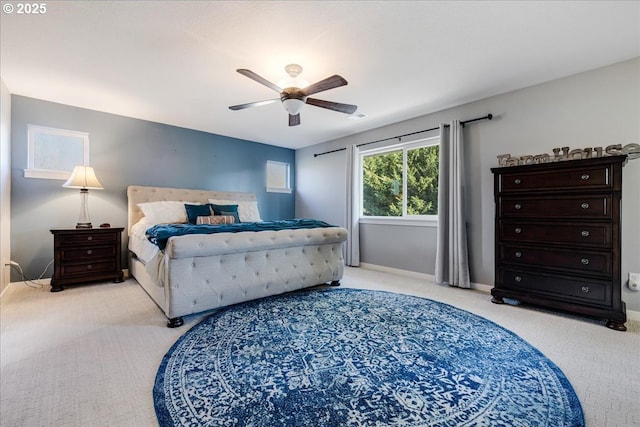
{"x":174,"y":62}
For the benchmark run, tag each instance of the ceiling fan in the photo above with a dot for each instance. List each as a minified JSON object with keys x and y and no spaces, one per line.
{"x":293,"y":97}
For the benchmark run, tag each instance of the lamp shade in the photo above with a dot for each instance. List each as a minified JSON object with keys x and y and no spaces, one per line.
{"x":83,"y":177}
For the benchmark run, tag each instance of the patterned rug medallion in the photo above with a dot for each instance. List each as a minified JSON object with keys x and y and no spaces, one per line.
{"x":347,"y":357}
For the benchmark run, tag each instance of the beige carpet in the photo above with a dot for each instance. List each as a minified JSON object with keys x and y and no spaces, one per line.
{"x":88,"y":356}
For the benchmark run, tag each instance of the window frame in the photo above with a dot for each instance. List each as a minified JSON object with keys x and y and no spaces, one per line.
{"x":281,"y":167}
{"x":411,"y":220}
{"x":60,"y":174}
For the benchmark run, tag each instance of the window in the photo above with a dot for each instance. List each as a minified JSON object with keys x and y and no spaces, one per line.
{"x":400,"y":181}
{"x":53,"y":153}
{"x":278,"y":177}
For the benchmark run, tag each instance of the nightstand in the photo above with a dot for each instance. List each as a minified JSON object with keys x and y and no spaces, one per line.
{"x":84,"y":255}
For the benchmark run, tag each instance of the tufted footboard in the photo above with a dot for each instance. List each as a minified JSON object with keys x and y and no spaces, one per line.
{"x":247,"y":266}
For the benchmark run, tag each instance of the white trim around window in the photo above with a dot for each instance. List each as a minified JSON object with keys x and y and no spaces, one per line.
{"x":278,"y":177}
{"x":405,"y":220}
{"x":53,"y":153}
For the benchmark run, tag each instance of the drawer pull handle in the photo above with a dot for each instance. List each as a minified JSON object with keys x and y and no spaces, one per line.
{"x":518,"y":254}
{"x":517,"y":180}
{"x":89,"y":251}
{"x":585,"y":177}
{"x":518,"y":206}
{"x":585,"y":233}
{"x":585,"y":206}
{"x":518,"y":278}
{"x":585,"y":289}
{"x":585,"y":261}
{"x":89,"y":267}
{"x":89,"y":237}
{"x":518,"y":230}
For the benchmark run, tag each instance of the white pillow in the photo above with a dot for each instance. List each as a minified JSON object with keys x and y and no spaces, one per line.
{"x":164,"y":212}
{"x":247,"y":210}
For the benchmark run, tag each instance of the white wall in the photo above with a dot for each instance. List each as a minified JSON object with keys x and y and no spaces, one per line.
{"x":595,"y":108}
{"x":5,"y":183}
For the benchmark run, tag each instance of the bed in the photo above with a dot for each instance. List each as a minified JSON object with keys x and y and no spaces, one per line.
{"x":200,"y":272}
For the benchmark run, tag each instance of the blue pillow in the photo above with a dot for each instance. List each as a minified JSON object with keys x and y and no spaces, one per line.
{"x":194,"y":211}
{"x":218,"y":209}
{"x":226,"y":210}
{"x":234,"y":215}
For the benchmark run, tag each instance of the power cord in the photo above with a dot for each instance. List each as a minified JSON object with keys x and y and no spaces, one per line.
{"x":26,"y":280}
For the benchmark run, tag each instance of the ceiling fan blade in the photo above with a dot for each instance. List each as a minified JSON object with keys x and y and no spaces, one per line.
{"x":326,"y":84}
{"x":335,"y":106}
{"x":253,"y":104}
{"x":294,"y":120}
{"x":257,"y":78}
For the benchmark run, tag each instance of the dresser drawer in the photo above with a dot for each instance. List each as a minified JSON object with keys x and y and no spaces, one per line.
{"x":554,"y":286}
{"x":575,"y":261}
{"x":98,"y":267}
{"x":596,"y":235}
{"x":579,"y":178}
{"x":581,"y":206}
{"x":72,"y":253}
{"x":88,"y":239}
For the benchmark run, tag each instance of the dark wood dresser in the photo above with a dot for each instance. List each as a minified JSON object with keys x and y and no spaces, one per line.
{"x":84,"y":255}
{"x":557,"y":236}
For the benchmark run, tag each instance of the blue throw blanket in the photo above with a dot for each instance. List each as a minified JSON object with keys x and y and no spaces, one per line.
{"x":159,"y":234}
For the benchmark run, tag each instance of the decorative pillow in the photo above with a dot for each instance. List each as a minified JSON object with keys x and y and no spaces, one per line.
{"x":235,"y":216}
{"x":218,"y":209}
{"x":194,"y":211}
{"x":164,"y":212}
{"x":217,"y":219}
{"x":247,"y":209}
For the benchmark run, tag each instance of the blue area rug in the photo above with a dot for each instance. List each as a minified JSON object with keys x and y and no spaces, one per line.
{"x":347,"y":357}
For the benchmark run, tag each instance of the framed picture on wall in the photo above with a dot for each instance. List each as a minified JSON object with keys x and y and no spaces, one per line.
{"x":53,"y":153}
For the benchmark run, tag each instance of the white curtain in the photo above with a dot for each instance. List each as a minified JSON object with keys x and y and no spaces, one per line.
{"x":353,"y":200}
{"x":452,"y":260}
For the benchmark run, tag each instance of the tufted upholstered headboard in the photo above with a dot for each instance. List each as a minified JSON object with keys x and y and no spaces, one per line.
{"x":139,"y":194}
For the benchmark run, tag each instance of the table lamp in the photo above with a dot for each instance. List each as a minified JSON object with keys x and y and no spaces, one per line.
{"x":84,"y":178}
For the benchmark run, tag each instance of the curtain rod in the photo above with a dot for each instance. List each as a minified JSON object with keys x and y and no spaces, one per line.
{"x":487,"y":117}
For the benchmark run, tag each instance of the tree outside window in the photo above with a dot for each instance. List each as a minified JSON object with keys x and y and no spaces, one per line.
{"x":401,"y":181}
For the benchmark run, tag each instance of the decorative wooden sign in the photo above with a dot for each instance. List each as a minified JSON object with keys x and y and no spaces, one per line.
{"x":560,"y":154}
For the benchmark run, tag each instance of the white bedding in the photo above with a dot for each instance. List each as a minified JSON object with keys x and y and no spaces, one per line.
{"x":139,"y":244}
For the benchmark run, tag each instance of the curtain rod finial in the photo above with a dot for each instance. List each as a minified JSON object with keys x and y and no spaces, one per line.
{"x":489,"y":116}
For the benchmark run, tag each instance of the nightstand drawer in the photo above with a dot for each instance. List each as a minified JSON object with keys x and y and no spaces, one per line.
{"x":92,"y":252}
{"x":88,"y":239}
{"x":69,"y":269}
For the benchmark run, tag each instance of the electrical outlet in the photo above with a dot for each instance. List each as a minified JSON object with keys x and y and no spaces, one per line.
{"x":634,"y":281}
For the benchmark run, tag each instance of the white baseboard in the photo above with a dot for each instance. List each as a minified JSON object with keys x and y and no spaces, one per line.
{"x":43,"y":282}
{"x":631,"y":314}
{"x":476,"y":286}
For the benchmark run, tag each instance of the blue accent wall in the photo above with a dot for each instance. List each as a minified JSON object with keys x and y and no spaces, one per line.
{"x":126,"y":151}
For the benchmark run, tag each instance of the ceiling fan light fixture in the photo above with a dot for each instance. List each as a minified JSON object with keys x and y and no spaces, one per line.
{"x":292,"y":105}
{"x":293,"y":70}
{"x":295,"y":92}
